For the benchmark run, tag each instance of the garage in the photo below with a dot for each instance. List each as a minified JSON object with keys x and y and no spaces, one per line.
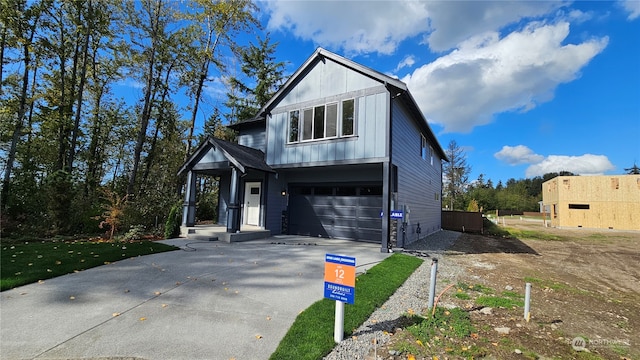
{"x":343,"y":211}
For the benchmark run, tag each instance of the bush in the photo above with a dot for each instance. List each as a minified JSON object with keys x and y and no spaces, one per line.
{"x":136,"y":232}
{"x":172,"y":226}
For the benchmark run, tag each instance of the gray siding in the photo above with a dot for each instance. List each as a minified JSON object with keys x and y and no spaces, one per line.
{"x":324,"y":80}
{"x":254,"y":138}
{"x":419,"y":182}
{"x":368,"y":143}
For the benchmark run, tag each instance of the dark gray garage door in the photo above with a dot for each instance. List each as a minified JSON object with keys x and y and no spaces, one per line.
{"x":344,"y":212}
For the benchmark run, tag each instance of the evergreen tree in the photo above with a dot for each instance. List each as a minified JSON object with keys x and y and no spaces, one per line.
{"x":456,"y":176}
{"x":634,"y":170}
{"x":260,"y":68}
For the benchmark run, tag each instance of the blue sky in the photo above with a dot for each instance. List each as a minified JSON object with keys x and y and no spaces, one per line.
{"x":525,"y":88}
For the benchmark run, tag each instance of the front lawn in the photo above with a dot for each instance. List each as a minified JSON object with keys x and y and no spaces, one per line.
{"x":311,"y":335}
{"x":28,"y":262}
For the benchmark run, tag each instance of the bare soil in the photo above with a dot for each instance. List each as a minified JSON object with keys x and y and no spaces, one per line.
{"x":585,"y":283}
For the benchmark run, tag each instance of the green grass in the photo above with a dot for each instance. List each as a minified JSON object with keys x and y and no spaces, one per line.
{"x":446,"y":330}
{"x":497,"y":301}
{"x":554,"y":285}
{"x":311,"y":335}
{"x":490,"y":228}
{"x":533,"y":234}
{"x":512,"y":294}
{"x":462,"y":296}
{"x":445,"y":323}
{"x":29,"y":262}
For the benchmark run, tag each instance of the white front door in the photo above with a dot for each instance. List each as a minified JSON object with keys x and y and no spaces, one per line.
{"x":252,"y":203}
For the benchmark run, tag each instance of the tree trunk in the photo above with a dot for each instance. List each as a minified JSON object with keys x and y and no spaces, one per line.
{"x":152,"y":151}
{"x":62,"y":113}
{"x":3,"y":42}
{"x":17,"y":131}
{"x":83,"y":75}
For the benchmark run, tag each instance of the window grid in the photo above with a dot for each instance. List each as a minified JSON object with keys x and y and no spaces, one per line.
{"x":332,"y":120}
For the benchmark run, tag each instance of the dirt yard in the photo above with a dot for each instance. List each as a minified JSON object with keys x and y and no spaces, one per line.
{"x":585,"y":285}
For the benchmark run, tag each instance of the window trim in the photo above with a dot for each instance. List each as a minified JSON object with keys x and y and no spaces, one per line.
{"x":341,"y":119}
{"x":303,"y":122}
{"x":290,"y":128}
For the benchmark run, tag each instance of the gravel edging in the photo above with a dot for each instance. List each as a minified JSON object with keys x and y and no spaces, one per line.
{"x":413,"y":295}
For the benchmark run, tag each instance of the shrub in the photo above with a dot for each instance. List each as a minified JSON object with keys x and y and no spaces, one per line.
{"x":172,"y":226}
{"x":136,"y":232}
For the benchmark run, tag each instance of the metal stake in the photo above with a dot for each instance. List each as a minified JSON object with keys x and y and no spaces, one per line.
{"x":527,"y":300}
{"x":432,"y":285}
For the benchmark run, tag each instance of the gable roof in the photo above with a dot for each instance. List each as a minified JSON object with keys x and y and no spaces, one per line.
{"x":397,"y":88}
{"x":242,"y":157}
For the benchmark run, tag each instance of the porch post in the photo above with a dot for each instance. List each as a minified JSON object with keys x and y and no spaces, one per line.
{"x":233,"y":215}
{"x":189,"y":205}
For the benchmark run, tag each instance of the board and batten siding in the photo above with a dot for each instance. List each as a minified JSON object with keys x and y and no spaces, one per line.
{"x":367,"y":143}
{"x":326,"y":79}
{"x":253,"y":137}
{"x":419,"y":182}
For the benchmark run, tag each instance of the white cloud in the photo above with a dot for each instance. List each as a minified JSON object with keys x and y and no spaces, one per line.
{"x":633,"y":7}
{"x":379,"y":26}
{"x":408,"y":61}
{"x":487,"y":75}
{"x":586,"y":164}
{"x":355,"y":26}
{"x":516,"y":155}
{"x":454,"y":21}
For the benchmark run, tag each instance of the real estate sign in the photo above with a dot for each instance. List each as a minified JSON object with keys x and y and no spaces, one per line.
{"x":340,"y":278}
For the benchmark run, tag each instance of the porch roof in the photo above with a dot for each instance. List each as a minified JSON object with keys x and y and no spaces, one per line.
{"x":239,"y":156}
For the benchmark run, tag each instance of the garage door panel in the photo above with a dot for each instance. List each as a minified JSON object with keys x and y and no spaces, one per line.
{"x":345,"y":222}
{"x":336,"y":216}
{"x":345,"y":211}
{"x":323,"y":210}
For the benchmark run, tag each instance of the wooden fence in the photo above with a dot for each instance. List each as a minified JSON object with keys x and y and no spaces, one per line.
{"x":463,"y":221}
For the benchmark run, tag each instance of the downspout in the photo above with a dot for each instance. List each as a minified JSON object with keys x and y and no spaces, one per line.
{"x":386,"y":180}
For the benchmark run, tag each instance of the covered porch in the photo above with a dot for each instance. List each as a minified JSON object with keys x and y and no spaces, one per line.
{"x":242,"y":175}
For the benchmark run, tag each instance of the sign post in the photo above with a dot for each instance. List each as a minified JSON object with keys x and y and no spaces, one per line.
{"x":339,"y":285}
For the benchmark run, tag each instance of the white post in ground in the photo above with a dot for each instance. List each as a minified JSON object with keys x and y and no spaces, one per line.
{"x":338,"y":329}
{"x":432,"y":285}
{"x":527,"y":300}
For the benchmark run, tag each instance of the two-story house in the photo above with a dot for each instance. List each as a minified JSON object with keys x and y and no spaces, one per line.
{"x":340,"y":151}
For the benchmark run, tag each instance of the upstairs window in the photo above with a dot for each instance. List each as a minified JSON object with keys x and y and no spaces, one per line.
{"x":307,"y":121}
{"x":348,"y":114}
{"x":424,"y":148}
{"x":332,"y":121}
{"x":294,"y":126}
{"x":318,"y":122}
{"x":322,"y":122}
{"x":431,"y":154}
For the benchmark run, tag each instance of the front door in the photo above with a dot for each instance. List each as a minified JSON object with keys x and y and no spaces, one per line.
{"x":252,"y":203}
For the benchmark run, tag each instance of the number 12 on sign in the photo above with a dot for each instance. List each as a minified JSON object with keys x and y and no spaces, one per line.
{"x":340,"y":278}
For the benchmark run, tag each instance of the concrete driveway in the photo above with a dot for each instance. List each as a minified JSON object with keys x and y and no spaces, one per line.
{"x":210,"y":300}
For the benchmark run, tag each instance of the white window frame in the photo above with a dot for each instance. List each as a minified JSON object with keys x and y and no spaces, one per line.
{"x":304,"y":121}
{"x":289,"y":127}
{"x":341,"y":118}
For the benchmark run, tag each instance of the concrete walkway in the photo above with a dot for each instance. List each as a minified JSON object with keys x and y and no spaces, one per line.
{"x":211,"y":300}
